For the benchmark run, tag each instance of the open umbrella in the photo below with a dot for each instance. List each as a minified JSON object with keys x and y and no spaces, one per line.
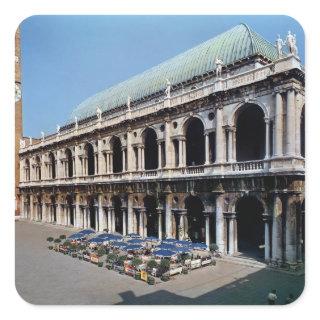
{"x":96,"y":240}
{"x":119,"y":244}
{"x":114,"y":237}
{"x":164,"y":253}
{"x":170,"y":240}
{"x":181,"y":250}
{"x":133,"y":235}
{"x":86,"y":231}
{"x":165,"y":246}
{"x":136,"y":241}
{"x":133,"y":247}
{"x":183,"y":243}
{"x":198,"y":246}
{"x":103,"y":235}
{"x":152,"y":239}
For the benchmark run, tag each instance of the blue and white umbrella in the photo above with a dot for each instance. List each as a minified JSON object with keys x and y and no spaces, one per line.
{"x":96,"y":240}
{"x":86,"y":231}
{"x":183,"y":243}
{"x":198,"y":246}
{"x":136,"y":241}
{"x":133,"y":247}
{"x":134,"y":235}
{"x":172,"y":241}
{"x":152,"y":239}
{"x":165,"y":246}
{"x":182,"y":249}
{"x":164,"y":253}
{"x":119,"y":244}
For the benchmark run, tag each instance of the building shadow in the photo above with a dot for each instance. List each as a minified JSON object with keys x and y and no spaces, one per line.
{"x":250,"y":290}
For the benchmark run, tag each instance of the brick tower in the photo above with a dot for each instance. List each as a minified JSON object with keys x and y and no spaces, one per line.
{"x":18,"y":118}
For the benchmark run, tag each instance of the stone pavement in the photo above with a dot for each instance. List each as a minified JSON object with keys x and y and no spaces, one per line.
{"x":45,"y":277}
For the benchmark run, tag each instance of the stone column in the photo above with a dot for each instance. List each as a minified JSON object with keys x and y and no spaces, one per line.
{"x":207,"y":148}
{"x":168,"y":215}
{"x":229,"y":131}
{"x":59,"y":214}
{"x":141,"y":221}
{"x":231,"y":240}
{"x":290,"y":123}
{"x":109,"y":220}
{"x":100,"y":159}
{"x":96,"y":217}
{"x":130,"y":213}
{"x":123,"y":160}
{"x":130,"y":161}
{"x":168,"y":144}
{"x":124,"y":221}
{"x":22,"y":200}
{"x":278,"y":126}
{"x":277,"y":252}
{"x":220,"y":152}
{"x":139,"y":158}
{"x":111,"y":161}
{"x":267,"y":154}
{"x":100,"y":212}
{"x":184,"y":152}
{"x":182,"y":213}
{"x":220,"y":223}
{"x":31,"y":207}
{"x":207,"y":225}
{"x":159,"y":155}
{"x":291,"y":230}
{"x":159,"y":211}
{"x":44,"y":212}
{"x":180,"y":153}
{"x":142,"y":158}
{"x":266,"y":220}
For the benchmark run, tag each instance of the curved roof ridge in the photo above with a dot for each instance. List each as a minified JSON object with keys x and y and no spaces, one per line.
{"x":232,"y":45}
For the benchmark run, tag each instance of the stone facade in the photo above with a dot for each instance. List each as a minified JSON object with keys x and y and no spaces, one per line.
{"x":180,"y":165}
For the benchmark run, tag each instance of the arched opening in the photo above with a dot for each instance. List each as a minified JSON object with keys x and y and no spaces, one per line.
{"x":116,"y":202}
{"x":150,"y":203}
{"x":52,"y":162}
{"x":117,"y":154}
{"x":69,"y":163}
{"x":302,"y":134}
{"x":38,"y":168}
{"x":70,"y":210}
{"x":150,"y":149}
{"x":39,"y":208}
{"x":250,"y":134}
{"x":27,"y":169}
{"x":90,"y":159}
{"x":196,"y":220}
{"x":250,"y":227}
{"x":195,"y":142}
{"x":53,"y":209}
{"x":92,"y":214}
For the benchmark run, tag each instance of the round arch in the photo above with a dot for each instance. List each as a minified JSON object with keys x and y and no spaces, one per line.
{"x":250,"y":226}
{"x":90,"y":158}
{"x":115,"y":146}
{"x":195,"y":218}
{"x":195,"y":141}
{"x":250,"y":132}
{"x":150,"y":141}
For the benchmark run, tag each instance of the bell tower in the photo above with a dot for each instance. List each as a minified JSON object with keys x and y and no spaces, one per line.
{"x":18,"y":118}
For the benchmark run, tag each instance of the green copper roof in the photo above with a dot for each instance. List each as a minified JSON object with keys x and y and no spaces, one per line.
{"x":233,"y":45}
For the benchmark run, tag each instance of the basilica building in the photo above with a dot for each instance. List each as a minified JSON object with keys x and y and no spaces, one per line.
{"x":208,"y":145}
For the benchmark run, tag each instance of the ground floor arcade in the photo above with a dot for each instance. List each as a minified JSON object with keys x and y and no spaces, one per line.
{"x":255,"y":217}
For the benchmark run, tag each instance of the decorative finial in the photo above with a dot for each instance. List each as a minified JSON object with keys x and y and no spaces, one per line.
{"x":58,"y":129}
{"x":168,"y":89}
{"x":42,"y":135}
{"x":30,"y":141}
{"x":76,"y":122}
{"x":219,"y":64}
{"x":99,"y":113}
{"x":129,"y":103}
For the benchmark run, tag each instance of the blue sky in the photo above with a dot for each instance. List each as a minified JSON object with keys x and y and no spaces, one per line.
{"x":66,"y":59}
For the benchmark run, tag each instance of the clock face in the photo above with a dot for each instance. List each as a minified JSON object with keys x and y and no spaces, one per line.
{"x":17,"y":93}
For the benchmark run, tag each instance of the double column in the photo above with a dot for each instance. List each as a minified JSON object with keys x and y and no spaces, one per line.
{"x":291,"y":122}
{"x":232,"y":239}
{"x":220,"y":140}
{"x":182,"y":223}
{"x":267,"y":244}
{"x":124,"y":220}
{"x":230,"y":133}
{"x":160,"y":212}
{"x":182,"y":151}
{"x":220,"y":223}
{"x":141,"y":159}
{"x":168,"y":211}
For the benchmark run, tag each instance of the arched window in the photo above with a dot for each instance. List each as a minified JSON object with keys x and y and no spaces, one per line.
{"x":195,"y":142}
{"x":116,"y":154}
{"x":250,"y":134}
{"x":69,"y":163}
{"x":150,"y":149}
{"x":90,"y":159}
{"x":27,"y":170}
{"x":38,"y":168}
{"x":52,"y":162}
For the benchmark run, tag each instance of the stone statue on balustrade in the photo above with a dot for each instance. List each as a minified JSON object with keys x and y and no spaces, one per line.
{"x":219,"y":64}
{"x":22,"y":143}
{"x":168,"y":89}
{"x":99,"y":113}
{"x":279,"y":45}
{"x":291,"y":42}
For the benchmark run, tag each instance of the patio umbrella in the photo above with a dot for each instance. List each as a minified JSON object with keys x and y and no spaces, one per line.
{"x":136,"y":241}
{"x":86,"y":231}
{"x":152,"y":239}
{"x":183,"y":243}
{"x":164,"y":253}
{"x":103,"y":235}
{"x":133,"y":235}
{"x":114,"y":237}
{"x":169,"y":241}
{"x":96,"y":240}
{"x":182,"y":249}
{"x":119,"y":244}
{"x":165,"y":246}
{"x":198,"y":246}
{"x":133,"y":247}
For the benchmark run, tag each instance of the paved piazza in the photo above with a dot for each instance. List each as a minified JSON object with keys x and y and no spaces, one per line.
{"x":46,"y":277}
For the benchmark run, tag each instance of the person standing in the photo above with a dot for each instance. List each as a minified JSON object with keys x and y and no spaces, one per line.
{"x":272,"y":297}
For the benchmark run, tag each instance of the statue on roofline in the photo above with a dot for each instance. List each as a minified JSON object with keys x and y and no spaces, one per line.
{"x":219,"y":64}
{"x":168,"y":89}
